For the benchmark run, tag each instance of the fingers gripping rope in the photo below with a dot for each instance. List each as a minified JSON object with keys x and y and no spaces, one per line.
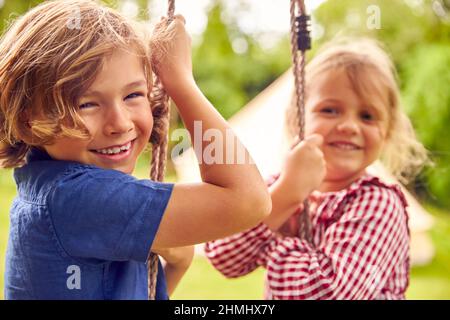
{"x":159,"y":138}
{"x":300,"y":42}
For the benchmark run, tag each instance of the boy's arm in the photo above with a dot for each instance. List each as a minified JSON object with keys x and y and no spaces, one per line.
{"x":231,"y":197}
{"x":177,"y":261}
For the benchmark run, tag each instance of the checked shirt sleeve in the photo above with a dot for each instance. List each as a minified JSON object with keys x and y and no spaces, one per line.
{"x":241,"y":253}
{"x":355,"y":257}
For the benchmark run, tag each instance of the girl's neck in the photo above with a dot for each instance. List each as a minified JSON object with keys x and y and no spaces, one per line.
{"x":330,"y":185}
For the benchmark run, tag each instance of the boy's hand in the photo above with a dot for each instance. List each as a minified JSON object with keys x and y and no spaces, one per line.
{"x":304,"y":168}
{"x":171,"y":53}
{"x":178,"y":257}
{"x":178,"y":261}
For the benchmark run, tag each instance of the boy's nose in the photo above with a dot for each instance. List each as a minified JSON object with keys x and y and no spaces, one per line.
{"x":118,"y":120}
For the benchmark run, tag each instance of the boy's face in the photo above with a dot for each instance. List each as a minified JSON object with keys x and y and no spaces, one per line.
{"x":354,"y":133}
{"x":117,"y":114}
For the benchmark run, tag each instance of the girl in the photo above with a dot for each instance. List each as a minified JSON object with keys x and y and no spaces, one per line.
{"x":75,"y":114}
{"x":360,"y":237}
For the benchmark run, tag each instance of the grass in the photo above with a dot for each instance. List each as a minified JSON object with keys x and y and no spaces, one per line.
{"x":433,"y":280}
{"x":203,"y":282}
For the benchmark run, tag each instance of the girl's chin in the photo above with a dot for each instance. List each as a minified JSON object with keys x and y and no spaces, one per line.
{"x":342,"y":174}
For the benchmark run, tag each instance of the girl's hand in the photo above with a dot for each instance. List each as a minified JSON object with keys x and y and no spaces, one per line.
{"x":303,"y":172}
{"x":304,"y":168}
{"x":171,"y":53}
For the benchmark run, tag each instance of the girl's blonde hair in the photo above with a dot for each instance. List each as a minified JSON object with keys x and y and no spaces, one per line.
{"x":48,"y":58}
{"x":372,"y":74}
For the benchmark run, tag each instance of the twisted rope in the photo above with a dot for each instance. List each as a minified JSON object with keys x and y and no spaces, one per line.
{"x":159,"y":139}
{"x":300,"y":42}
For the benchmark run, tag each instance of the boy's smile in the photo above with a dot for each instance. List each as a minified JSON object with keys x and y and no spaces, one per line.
{"x":116,"y":152}
{"x":116,"y":111}
{"x":354,"y":131}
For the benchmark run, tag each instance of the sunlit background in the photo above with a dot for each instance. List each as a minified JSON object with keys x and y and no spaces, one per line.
{"x":242,"y":46}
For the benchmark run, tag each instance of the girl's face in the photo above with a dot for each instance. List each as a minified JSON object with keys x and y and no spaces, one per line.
{"x":117,"y":114}
{"x":354,"y":132}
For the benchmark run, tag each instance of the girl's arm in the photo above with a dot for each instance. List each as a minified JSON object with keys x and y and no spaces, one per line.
{"x":355,"y":259}
{"x":232,"y":197}
{"x":303,"y":171}
{"x":240,"y":254}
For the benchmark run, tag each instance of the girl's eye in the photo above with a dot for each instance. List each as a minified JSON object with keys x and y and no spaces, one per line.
{"x":329,"y":110}
{"x":367,"y":116}
{"x":135,"y":95}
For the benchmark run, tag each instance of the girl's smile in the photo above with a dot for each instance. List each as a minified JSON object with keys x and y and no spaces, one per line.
{"x":343,"y":145}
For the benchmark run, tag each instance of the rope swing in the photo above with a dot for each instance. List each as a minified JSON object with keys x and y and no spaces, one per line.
{"x":300,"y":42}
{"x":159,"y":139}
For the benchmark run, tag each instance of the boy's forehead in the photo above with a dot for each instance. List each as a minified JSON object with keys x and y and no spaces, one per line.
{"x":120,"y":69}
{"x":138,"y":83}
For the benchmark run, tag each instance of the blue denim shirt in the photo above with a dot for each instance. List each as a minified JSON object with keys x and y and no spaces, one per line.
{"x":81,"y":232}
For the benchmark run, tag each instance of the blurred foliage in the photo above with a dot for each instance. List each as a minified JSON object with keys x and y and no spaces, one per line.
{"x":230,"y":79}
{"x":427,"y":98}
{"x":12,"y":9}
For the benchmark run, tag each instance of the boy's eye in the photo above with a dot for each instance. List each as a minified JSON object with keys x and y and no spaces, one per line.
{"x":86,"y":105}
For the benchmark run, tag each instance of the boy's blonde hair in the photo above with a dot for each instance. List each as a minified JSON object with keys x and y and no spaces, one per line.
{"x":371,"y":73}
{"x":48,"y":58}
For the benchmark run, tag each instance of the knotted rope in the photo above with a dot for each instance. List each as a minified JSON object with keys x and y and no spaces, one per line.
{"x":159,"y":140}
{"x":300,"y":42}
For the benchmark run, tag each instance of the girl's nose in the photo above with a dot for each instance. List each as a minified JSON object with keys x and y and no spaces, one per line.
{"x":118,"y":120}
{"x":348,"y":126}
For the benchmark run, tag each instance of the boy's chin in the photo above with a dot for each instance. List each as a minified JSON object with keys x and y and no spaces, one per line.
{"x":127,"y":169}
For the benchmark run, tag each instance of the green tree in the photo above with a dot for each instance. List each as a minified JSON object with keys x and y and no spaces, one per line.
{"x":427,"y":98}
{"x":11,"y":9}
{"x":230,"y":79}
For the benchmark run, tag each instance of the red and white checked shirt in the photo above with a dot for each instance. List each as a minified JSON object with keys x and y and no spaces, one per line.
{"x":361,"y":248}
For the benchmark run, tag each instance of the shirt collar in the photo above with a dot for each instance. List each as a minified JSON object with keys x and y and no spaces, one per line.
{"x":36,"y":154}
